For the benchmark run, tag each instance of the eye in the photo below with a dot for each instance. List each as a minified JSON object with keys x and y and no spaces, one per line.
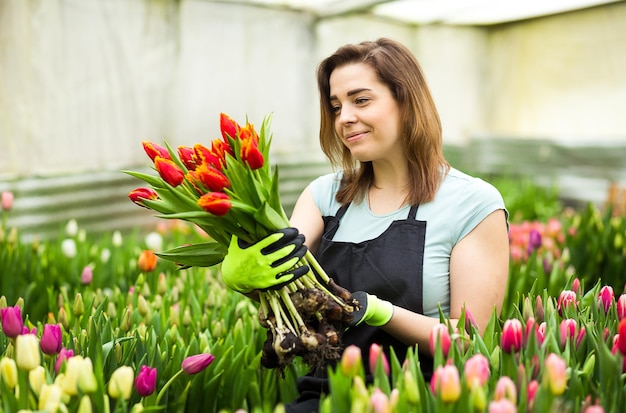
{"x":361,"y":100}
{"x":335,"y":109}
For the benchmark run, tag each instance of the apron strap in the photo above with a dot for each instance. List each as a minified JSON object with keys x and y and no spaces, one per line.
{"x":413,"y":212}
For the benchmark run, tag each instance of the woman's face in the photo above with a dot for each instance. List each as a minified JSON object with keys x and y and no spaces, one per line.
{"x":366,"y":113}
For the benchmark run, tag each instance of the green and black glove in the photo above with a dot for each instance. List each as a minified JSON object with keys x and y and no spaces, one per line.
{"x":267,"y":264}
{"x":373,"y":311}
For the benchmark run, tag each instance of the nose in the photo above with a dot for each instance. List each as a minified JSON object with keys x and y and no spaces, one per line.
{"x":346,"y":116}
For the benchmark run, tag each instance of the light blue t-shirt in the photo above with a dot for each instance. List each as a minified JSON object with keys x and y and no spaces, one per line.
{"x":460,"y":204}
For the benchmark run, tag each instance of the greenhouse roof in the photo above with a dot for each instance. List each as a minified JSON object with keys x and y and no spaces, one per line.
{"x":452,"y":12}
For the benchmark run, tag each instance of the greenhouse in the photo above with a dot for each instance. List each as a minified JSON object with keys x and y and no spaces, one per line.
{"x":174,"y":173}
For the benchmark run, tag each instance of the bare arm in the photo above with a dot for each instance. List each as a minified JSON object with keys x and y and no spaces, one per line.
{"x":479,"y":266}
{"x":307,"y":218}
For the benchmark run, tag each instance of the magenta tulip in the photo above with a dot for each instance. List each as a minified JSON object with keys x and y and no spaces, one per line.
{"x":145,"y":382}
{"x":605,"y":298}
{"x":51,"y":339}
{"x":512,"y":333}
{"x":12,"y":324}
{"x":195,"y":364}
{"x":64,"y":354}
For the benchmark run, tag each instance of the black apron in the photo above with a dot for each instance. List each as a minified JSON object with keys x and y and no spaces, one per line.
{"x":390,"y":267}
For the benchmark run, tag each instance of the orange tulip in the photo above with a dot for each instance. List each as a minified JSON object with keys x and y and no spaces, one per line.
{"x":228,"y":127}
{"x":153,"y":150}
{"x":206,"y":177}
{"x":147,"y":261}
{"x":250,"y":153}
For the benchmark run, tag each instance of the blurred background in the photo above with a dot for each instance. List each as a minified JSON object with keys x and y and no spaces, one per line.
{"x":530,"y":89}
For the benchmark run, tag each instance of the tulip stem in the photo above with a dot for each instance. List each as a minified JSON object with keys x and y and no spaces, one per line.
{"x":167,"y":385}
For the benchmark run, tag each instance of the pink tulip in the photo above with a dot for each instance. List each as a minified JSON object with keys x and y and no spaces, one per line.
{"x":195,"y":364}
{"x":533,"y":386}
{"x":64,"y":354}
{"x":512,"y":332}
{"x":145,"y":382}
{"x":32,"y":331}
{"x":446,"y":384}
{"x":594,"y":409}
{"x":87,"y":275}
{"x":376,"y":353}
{"x":555,"y":374}
{"x":350,"y":361}
{"x":440,"y":335}
{"x":621,"y":306}
{"x":379,"y":401}
{"x":567,"y":299}
{"x":7,"y":200}
{"x":582,"y":332}
{"x":502,"y":406}
{"x":476,"y":370}
{"x":568,"y":328}
{"x":505,"y":389}
{"x":12,"y":324}
{"x":51,"y":339}
{"x":575,"y":285}
{"x":605,"y":298}
{"x":621,"y":341}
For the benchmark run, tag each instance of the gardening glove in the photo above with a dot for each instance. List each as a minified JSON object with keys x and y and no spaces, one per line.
{"x":266,"y":264}
{"x":373,"y":311}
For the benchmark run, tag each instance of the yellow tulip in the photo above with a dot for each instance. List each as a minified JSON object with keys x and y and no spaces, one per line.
{"x":50,"y":398}
{"x":8,"y":372}
{"x":27,"y":353}
{"x":37,"y":378}
{"x":121,"y":383}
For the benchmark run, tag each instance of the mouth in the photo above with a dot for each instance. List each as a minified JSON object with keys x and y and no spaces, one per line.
{"x":350,"y":137}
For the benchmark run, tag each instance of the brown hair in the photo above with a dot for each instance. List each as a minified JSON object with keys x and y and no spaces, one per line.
{"x":397,"y":68}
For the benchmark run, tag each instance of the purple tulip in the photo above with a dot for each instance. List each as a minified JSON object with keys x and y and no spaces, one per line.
{"x":145,"y":382}
{"x":51,"y":339}
{"x":534,"y":240}
{"x":195,"y":364}
{"x":12,"y":323}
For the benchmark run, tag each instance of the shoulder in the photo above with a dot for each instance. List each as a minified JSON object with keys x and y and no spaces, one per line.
{"x":459,"y":187}
{"x":324,"y":189}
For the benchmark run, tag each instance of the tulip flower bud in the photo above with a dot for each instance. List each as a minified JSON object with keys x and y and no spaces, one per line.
{"x":121,"y":383}
{"x":63,"y":356}
{"x":502,"y":406}
{"x":350,"y":361}
{"x":533,"y":386}
{"x":197,"y":363}
{"x":50,"y":397}
{"x":216,"y":203}
{"x":137,"y":408}
{"x":379,"y":401}
{"x":512,"y":334}
{"x":7,"y":200}
{"x":250,"y":153}
{"x":567,"y":299}
{"x":411,"y":389}
{"x":145,"y":383}
{"x":162,"y":285}
{"x":37,"y":378}
{"x":440,"y":335}
{"x":153,"y":150}
{"x":85,"y":405}
{"x":147,"y":261}
{"x":186,"y":156}
{"x":505,"y":389}
{"x":555,"y":374}
{"x":79,"y":306}
{"x":12,"y":324}
{"x":377,"y":355}
{"x":621,"y":341}
{"x":568,"y":329}
{"x":51,"y":339}
{"x":87,"y":275}
{"x":478,"y":398}
{"x":539,"y":311}
{"x":228,"y":127}
{"x":27,"y":353}
{"x":476,"y":370}
{"x":446,"y":384}
{"x":71,"y":228}
{"x":621,"y":307}
{"x":605,"y":298}
{"x":8,"y":372}
{"x":169,"y":171}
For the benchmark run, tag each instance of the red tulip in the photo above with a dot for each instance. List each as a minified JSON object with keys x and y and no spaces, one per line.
{"x":228,"y":127}
{"x":12,"y":323}
{"x":169,"y":171}
{"x":145,"y":382}
{"x":512,"y":333}
{"x":206,"y":177}
{"x":195,"y":364}
{"x":140,"y":194}
{"x":153,"y":150}
{"x":220,"y":148}
{"x":186,"y":155}
{"x":217,"y":203}
{"x":204,"y":155}
{"x":250,"y":153}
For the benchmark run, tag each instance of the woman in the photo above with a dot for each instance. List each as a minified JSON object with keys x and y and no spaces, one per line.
{"x":396,"y":221}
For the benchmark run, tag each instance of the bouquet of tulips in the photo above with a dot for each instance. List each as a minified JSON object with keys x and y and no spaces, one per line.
{"x":230,"y":189}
